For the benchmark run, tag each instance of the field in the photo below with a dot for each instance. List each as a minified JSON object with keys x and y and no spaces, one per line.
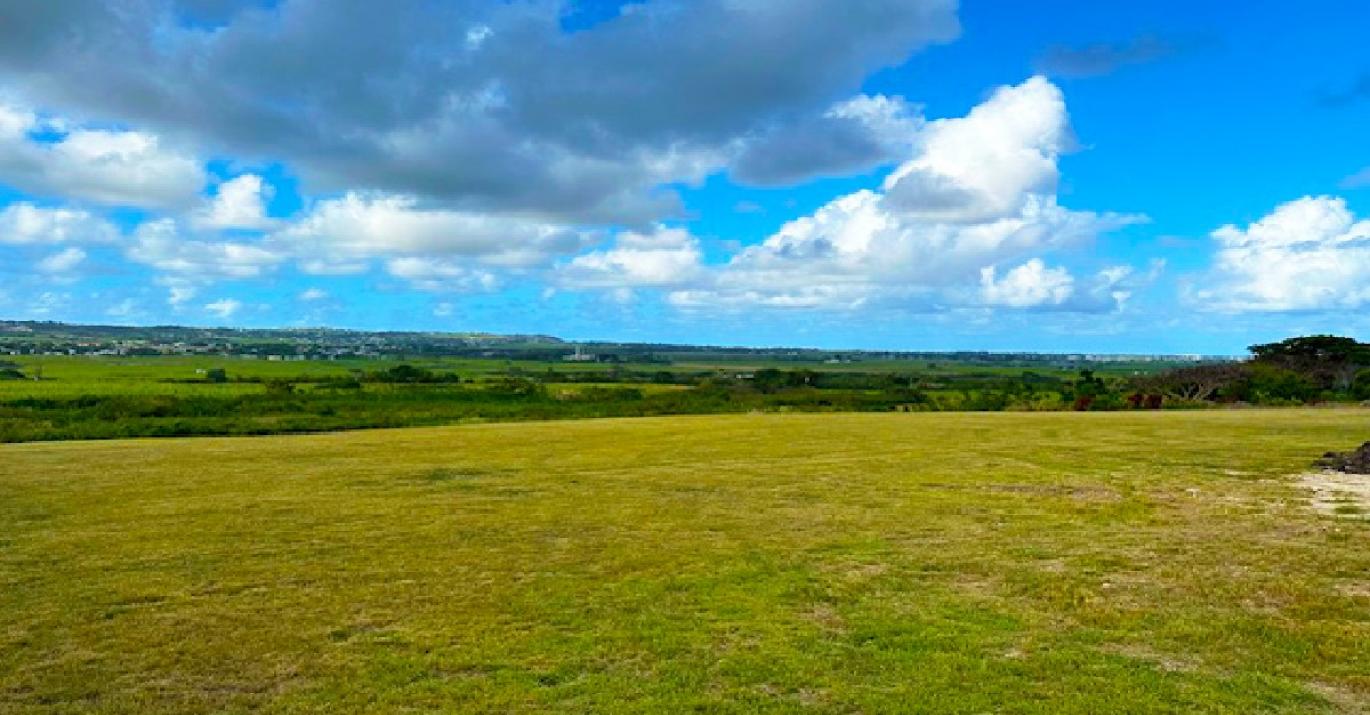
{"x":950,"y":563}
{"x":74,"y":397}
{"x":73,"y":376}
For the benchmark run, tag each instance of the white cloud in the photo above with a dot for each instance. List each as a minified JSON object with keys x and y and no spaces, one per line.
{"x":161,"y":245}
{"x":124,"y":168}
{"x":987,"y":165}
{"x":62,"y":262}
{"x":440,"y":275}
{"x":15,"y":123}
{"x":27,"y":224}
{"x":979,"y":192}
{"x":240,"y":203}
{"x":339,"y":235}
{"x":178,"y":293}
{"x":667,"y":257}
{"x":1030,"y":285}
{"x":1035,"y":286}
{"x":313,"y":294}
{"x":1308,"y":254}
{"x":224,"y":308}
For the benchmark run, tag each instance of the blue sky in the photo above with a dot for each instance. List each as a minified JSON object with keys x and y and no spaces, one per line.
{"x":912,"y":174}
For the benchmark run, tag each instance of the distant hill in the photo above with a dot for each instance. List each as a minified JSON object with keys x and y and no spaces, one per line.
{"x":29,"y":337}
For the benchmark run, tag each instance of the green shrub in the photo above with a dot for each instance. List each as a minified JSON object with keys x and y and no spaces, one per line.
{"x":1360,"y":389}
{"x":1271,"y":385}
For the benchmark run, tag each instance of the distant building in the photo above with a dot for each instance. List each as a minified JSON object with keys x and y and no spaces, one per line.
{"x":580,"y":356}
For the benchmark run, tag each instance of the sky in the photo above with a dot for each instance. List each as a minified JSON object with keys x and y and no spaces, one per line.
{"x":1159,"y":177}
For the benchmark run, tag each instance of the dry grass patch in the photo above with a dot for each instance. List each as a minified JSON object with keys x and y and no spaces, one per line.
{"x":1339,"y":494}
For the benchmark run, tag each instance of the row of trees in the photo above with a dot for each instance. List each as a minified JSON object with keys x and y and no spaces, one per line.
{"x":1300,"y":370}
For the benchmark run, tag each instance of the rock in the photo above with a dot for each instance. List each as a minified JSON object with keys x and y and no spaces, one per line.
{"x":1354,"y":462}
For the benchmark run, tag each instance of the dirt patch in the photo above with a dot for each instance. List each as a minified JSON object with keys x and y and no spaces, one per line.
{"x":1156,"y":659}
{"x":827,"y":618}
{"x":1339,"y":494}
{"x":1344,"y":700}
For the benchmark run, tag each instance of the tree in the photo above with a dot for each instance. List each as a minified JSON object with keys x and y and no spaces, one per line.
{"x":1089,"y":385}
{"x":216,"y":375}
{"x":1360,"y":389}
{"x":1330,"y":360}
{"x":769,"y":380}
{"x":404,"y":374}
{"x":1199,"y":382}
{"x":1266,"y":383}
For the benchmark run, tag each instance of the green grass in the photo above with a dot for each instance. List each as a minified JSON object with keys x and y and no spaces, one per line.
{"x":946,"y":563}
{"x":73,"y":376}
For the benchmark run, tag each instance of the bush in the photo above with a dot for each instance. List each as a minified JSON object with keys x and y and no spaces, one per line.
{"x":279,"y":387}
{"x":1360,"y":389}
{"x":1271,"y":385}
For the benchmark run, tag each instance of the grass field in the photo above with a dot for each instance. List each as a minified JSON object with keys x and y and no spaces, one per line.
{"x":957,"y":563}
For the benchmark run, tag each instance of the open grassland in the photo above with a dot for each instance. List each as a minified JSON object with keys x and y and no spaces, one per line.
{"x":73,"y":376}
{"x":958,"y":563}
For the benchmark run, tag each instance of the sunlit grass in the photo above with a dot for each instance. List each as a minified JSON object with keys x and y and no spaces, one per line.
{"x":1085,"y":563}
{"x":74,"y":376}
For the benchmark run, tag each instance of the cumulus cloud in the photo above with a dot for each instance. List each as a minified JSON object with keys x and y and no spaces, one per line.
{"x":1036,"y":286}
{"x":979,"y":191}
{"x":666,"y":257}
{"x":1030,"y":285}
{"x":240,"y":203}
{"x":989,"y":164}
{"x":441,"y":275}
{"x":26,"y":224}
{"x":340,"y":235}
{"x":124,"y":168}
{"x":313,"y":294}
{"x":163,"y":245}
{"x":853,"y":136}
{"x":1308,"y":254}
{"x":483,"y":106}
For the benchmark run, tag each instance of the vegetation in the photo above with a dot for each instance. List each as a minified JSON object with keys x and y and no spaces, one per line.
{"x":96,"y":397}
{"x":99,"y":397}
{"x":957,"y":563}
{"x":10,"y":371}
{"x":1319,"y":368}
